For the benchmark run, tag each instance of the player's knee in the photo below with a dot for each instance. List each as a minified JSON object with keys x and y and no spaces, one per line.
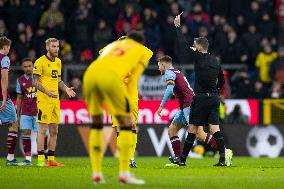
{"x":53,"y":131}
{"x":192,"y":129}
{"x":26,"y":132}
{"x":13,"y":127}
{"x":172,"y":131}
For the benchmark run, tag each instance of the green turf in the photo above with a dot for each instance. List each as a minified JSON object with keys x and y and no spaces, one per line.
{"x":246,"y":173}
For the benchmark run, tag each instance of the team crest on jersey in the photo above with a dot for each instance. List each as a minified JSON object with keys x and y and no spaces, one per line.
{"x":48,"y":65}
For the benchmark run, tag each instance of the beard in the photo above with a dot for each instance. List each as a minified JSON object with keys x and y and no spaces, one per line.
{"x":54,"y":54}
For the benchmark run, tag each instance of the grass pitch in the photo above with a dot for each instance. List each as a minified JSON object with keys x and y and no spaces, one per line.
{"x":199,"y":173}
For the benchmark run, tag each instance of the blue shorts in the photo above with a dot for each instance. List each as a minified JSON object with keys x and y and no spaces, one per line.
{"x":182,"y":116}
{"x":28,"y":122}
{"x":9,"y":115}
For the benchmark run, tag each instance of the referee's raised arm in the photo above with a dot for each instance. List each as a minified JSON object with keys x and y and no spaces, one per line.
{"x":183,"y":44}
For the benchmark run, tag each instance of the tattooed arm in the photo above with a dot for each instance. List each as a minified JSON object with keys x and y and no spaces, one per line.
{"x":39,"y":87}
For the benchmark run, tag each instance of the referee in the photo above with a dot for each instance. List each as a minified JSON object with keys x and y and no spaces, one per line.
{"x":209,"y":79}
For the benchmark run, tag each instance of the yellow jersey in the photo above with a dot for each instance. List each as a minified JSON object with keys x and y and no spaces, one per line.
{"x":48,"y":72}
{"x":122,"y":57}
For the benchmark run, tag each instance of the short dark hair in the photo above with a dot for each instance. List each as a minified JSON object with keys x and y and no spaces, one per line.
{"x":4,"y":41}
{"x":203,"y":42}
{"x":26,"y":60}
{"x":136,"y":36}
{"x":167,"y":59}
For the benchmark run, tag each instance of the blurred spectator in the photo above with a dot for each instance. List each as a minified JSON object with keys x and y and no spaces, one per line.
{"x":65,"y":51}
{"x":276,"y":71}
{"x":197,"y":19}
{"x":254,"y":14}
{"x":128,"y":16}
{"x":38,"y":41}
{"x":3,"y":10}
{"x":102,"y":36}
{"x":81,"y":28}
{"x":241,"y":25}
{"x":15,"y":15}
{"x":32,"y":55}
{"x":111,"y":11}
{"x":263,"y":61}
{"x":151,"y":29}
{"x":52,"y":17}
{"x":259,"y":91}
{"x":237,"y":116}
{"x":21,"y":46}
{"x":250,"y":44}
{"x":3,"y":29}
{"x":266,"y":27}
{"x":277,"y":90}
{"x":231,"y":52}
{"x":240,"y":81}
{"x":32,"y":12}
{"x":86,"y":56}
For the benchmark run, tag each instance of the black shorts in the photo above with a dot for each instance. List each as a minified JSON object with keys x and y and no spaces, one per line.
{"x":205,"y":109}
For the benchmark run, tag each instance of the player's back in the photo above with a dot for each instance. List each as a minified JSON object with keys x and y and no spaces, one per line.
{"x":182,"y":90}
{"x":121,"y":57}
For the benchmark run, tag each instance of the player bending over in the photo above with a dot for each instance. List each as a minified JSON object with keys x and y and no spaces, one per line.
{"x":103,"y":84}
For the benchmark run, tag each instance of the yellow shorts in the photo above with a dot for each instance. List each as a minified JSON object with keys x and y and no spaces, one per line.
{"x":104,"y":89}
{"x":48,"y":110}
{"x":134,"y":115}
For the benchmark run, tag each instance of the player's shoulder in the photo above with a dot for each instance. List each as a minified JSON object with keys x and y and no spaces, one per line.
{"x":57,"y":60}
{"x":41,"y":59}
{"x":170,"y":73}
{"x":144,"y":49}
{"x":20,"y":78}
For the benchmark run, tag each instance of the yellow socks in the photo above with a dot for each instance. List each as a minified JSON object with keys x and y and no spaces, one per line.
{"x":124,"y":143}
{"x":96,"y":149}
{"x":134,"y":143}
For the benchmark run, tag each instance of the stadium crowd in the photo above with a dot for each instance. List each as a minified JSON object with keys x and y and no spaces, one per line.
{"x":247,"y":32}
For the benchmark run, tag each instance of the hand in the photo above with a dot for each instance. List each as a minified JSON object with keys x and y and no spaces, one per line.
{"x":70,"y":92}
{"x":51,"y":94}
{"x":159,"y":111}
{"x":177,"y":20}
{"x":3,"y":106}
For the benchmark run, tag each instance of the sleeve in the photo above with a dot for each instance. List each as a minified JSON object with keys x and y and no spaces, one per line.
{"x":60,"y":68}
{"x":167,"y":95}
{"x":221,"y":79}
{"x":184,"y":46}
{"x":18,"y":88}
{"x":37,"y":68}
{"x":5,"y":63}
{"x":170,"y":77}
{"x":147,"y":54}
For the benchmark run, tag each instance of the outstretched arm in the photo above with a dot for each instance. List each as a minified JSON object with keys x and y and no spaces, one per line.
{"x":183,"y":44}
{"x":64,"y":88}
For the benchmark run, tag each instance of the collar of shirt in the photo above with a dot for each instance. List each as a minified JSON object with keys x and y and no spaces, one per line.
{"x":26,"y":76}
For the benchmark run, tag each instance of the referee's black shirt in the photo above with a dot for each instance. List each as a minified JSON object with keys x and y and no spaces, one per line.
{"x":209,"y":76}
